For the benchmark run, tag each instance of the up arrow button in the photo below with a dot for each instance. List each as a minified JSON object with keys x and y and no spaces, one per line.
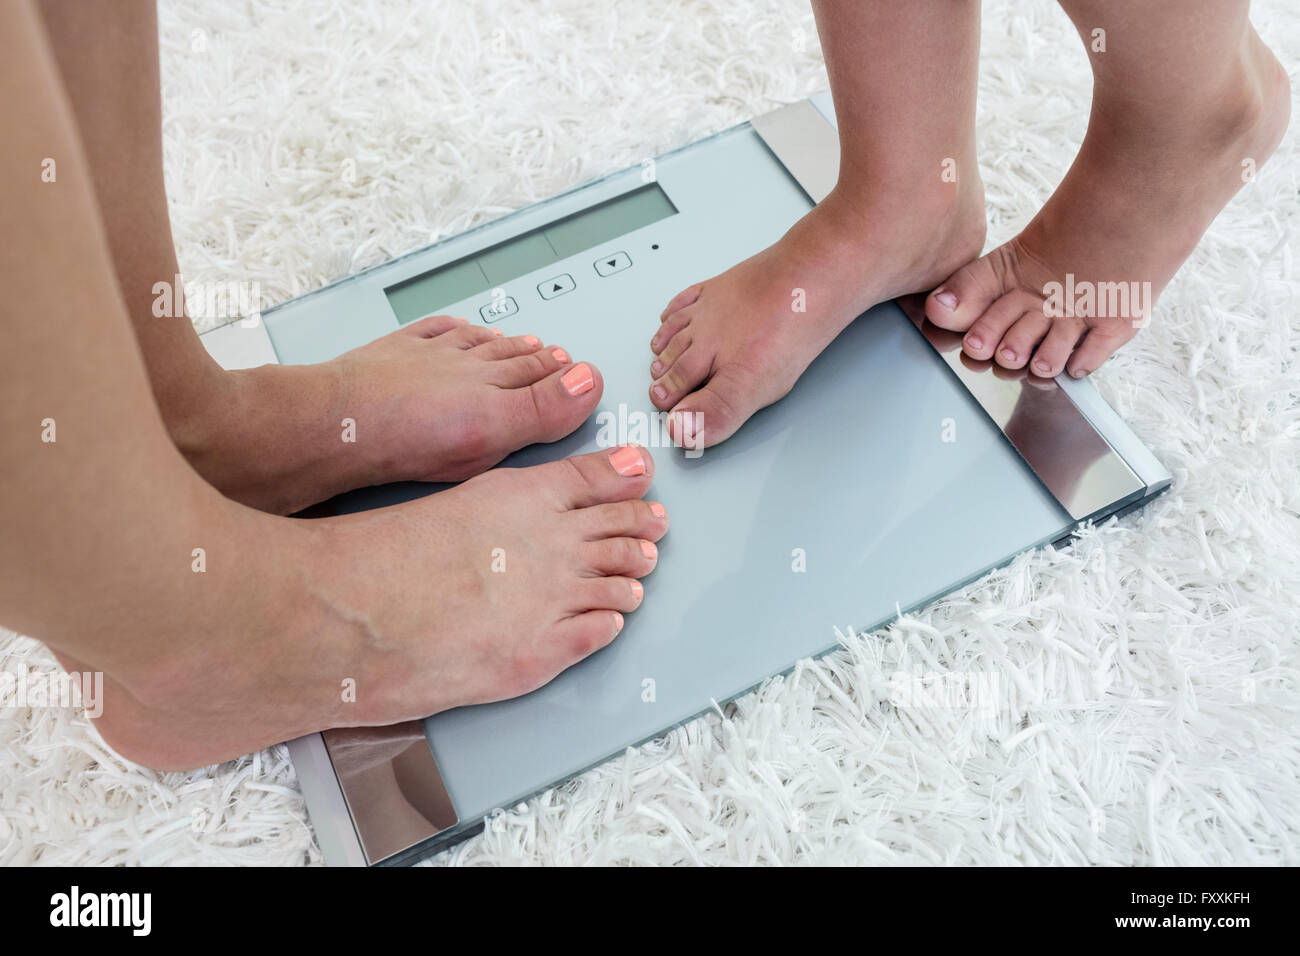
{"x":555,"y":286}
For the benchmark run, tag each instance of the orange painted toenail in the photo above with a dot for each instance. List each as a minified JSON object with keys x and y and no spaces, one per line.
{"x":658,"y":510}
{"x":974,"y":342}
{"x":638,"y":591}
{"x":578,"y":379}
{"x":648,"y":549}
{"x":560,"y":355}
{"x":498,"y":333}
{"x":532,"y":341}
{"x":659,"y":392}
{"x":946,"y":299}
{"x":627,"y":461}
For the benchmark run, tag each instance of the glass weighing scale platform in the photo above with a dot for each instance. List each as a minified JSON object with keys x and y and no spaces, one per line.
{"x":849,"y":476}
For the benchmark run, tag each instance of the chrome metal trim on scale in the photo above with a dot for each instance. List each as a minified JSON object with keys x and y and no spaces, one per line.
{"x":1057,"y":441}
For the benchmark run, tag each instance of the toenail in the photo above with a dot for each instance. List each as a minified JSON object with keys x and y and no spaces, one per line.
{"x":578,"y":379}
{"x":1043,"y":367}
{"x":974,"y":342}
{"x":618,"y":622}
{"x":656,"y":368}
{"x":648,"y":549}
{"x":686,"y":430}
{"x":1080,"y":373}
{"x":659,"y":392}
{"x":532,"y":341}
{"x":638,"y":591}
{"x":560,"y":355}
{"x":946,"y":299}
{"x":1009,"y":355}
{"x":498,"y":333}
{"x":627,"y":461}
{"x":658,"y":510}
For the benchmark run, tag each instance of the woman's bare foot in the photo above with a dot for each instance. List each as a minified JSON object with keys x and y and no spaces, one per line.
{"x":738,"y":342}
{"x":1083,"y":276}
{"x":485,"y":591}
{"x":437,"y":400}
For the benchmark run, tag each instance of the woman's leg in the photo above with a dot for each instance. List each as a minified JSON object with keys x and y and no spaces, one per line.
{"x":908,"y":208}
{"x":221,"y":629}
{"x":438,"y":400}
{"x":1187,"y":103}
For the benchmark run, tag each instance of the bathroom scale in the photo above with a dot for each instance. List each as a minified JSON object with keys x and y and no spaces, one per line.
{"x":895,"y":472}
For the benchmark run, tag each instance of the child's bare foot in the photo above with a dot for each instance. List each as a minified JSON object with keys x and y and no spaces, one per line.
{"x":482,"y":592}
{"x":738,"y":342}
{"x":1082,"y":277}
{"x":437,"y":400}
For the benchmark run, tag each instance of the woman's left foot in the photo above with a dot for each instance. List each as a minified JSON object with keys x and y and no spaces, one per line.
{"x":437,"y":400}
{"x":1083,"y":276}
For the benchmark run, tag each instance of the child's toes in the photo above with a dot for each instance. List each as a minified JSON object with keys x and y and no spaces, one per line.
{"x":713,"y":413}
{"x":1019,"y":341}
{"x":500,"y":347}
{"x":681,"y":300}
{"x":679,"y":374}
{"x":670,"y":327}
{"x":1056,"y":347}
{"x":986,"y":332}
{"x":632,"y":557}
{"x":1098,"y":345}
{"x":613,"y":592}
{"x":964,"y":296}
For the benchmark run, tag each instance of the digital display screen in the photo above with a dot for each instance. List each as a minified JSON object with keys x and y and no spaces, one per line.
{"x":425,"y":294}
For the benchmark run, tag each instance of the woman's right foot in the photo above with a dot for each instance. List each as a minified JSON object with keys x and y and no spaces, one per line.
{"x":482,"y":592}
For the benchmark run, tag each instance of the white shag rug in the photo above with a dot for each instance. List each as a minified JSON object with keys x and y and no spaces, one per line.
{"x":1146,"y":703}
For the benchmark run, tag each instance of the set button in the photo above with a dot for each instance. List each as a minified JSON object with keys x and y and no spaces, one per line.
{"x":615,"y":262}
{"x":499,"y":308}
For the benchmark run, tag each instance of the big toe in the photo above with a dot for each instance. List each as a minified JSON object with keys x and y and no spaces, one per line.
{"x":616,"y":474}
{"x":964,"y":296}
{"x":556,"y":403}
{"x":713,"y":413}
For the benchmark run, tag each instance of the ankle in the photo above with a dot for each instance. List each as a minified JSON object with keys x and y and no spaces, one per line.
{"x":265,"y":585}
{"x":1241,"y":108}
{"x":275,"y":437}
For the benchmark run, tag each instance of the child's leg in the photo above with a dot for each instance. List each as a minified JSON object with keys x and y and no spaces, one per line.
{"x":438,"y":400}
{"x":1187,"y":102}
{"x":222,"y":629}
{"x":903,"y":78}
